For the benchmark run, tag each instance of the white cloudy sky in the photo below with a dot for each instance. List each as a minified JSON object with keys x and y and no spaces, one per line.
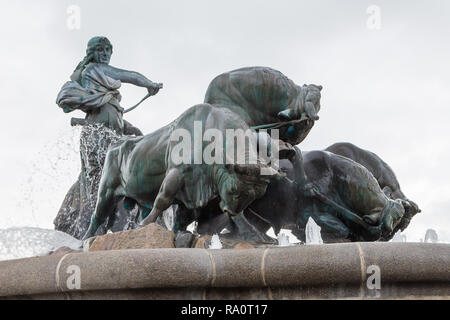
{"x":386,"y":90}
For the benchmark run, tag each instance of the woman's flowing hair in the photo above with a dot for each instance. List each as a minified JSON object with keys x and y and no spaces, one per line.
{"x":92,"y":44}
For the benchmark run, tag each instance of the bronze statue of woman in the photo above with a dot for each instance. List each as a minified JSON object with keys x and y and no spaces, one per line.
{"x":94,"y":89}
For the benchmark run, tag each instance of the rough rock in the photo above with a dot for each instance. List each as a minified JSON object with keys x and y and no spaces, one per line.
{"x":243,"y":245}
{"x":202,"y":242}
{"x":152,"y":236}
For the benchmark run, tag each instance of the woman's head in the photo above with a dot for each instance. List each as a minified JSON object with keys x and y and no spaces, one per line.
{"x":99,"y":50}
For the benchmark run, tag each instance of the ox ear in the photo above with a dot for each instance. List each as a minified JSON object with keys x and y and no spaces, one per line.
{"x":320,"y":88}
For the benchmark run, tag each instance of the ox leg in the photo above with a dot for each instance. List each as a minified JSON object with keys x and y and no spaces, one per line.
{"x":333,"y":229}
{"x":107,"y":196}
{"x":257,"y":222}
{"x":106,"y":206}
{"x":183,"y":217}
{"x":169,"y":188}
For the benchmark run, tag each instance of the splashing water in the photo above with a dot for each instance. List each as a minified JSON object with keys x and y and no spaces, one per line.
{"x":283,"y":240}
{"x":431,"y":236}
{"x":192,"y":227}
{"x":399,"y":237}
{"x":168,"y":217}
{"x":53,"y":171}
{"x":225,"y":231}
{"x":216,"y":244}
{"x":312,"y":232}
{"x":49,"y":175}
{"x":18,"y":243}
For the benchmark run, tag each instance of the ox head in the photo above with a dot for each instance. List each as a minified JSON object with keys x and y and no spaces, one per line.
{"x":307,"y":108}
{"x":411,"y":209}
{"x":391,"y":215}
{"x":240,"y":185}
{"x":387,"y":218}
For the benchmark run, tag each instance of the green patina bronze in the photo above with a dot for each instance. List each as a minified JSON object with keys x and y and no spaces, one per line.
{"x":348,"y":204}
{"x":94,"y":89}
{"x":144,"y":170}
{"x":266,"y":99}
{"x":344,"y":197}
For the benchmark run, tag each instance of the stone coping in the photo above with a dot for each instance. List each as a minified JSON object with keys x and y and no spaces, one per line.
{"x":407,"y":270}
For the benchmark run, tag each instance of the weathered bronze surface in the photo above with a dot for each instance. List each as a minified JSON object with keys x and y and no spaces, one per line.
{"x":347,"y":201}
{"x":94,"y":89}
{"x":143,"y":171}
{"x":351,"y":193}
{"x":381,"y":170}
{"x":265,"y":98}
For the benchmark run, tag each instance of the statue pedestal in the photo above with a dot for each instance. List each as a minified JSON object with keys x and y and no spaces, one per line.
{"x":338,"y":271}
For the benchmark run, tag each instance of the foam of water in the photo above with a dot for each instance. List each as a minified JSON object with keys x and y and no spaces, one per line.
{"x":49,"y":175}
{"x":313,"y":235}
{"x":192,"y":227}
{"x":216,"y":244}
{"x":399,"y":237}
{"x":168,"y":217}
{"x":283,"y":240}
{"x":225,"y":231}
{"x":18,"y":243}
{"x":292,"y":239}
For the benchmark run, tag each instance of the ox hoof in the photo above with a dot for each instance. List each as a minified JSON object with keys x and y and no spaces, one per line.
{"x":150,"y":219}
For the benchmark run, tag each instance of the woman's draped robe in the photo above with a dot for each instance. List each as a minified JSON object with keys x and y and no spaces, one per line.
{"x":97,"y":95}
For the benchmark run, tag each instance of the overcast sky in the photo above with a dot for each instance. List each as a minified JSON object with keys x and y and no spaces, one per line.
{"x":385,"y":90}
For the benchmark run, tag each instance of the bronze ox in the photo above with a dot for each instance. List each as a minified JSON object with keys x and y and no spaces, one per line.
{"x":143,"y":171}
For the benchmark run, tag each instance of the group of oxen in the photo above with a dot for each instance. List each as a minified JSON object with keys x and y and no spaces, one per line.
{"x":351,"y":193}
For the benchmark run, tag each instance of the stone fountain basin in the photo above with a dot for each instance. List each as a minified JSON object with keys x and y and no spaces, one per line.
{"x":337,"y":271}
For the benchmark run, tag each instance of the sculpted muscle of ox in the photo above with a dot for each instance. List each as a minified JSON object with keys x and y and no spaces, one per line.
{"x":142,"y":170}
{"x":346,"y":183}
{"x":263,"y":96}
{"x":381,"y":170}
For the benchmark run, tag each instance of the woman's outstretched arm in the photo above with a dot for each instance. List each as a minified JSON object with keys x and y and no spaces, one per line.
{"x":130,"y":77}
